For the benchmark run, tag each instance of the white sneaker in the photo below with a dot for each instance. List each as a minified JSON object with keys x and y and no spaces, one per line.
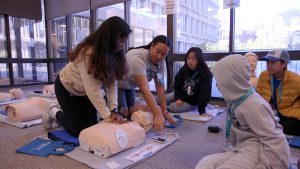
{"x":49,"y":120}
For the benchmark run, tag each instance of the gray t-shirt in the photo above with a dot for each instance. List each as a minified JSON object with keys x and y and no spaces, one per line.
{"x":140,"y":64}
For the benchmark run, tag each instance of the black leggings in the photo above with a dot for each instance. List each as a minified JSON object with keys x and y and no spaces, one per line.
{"x":290,"y":125}
{"x":77,"y":112}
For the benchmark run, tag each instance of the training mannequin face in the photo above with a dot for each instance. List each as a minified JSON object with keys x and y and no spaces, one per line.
{"x":191,"y":61}
{"x":252,"y":61}
{"x":158,"y":52}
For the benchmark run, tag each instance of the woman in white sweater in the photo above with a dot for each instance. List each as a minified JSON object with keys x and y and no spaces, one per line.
{"x":88,"y":83}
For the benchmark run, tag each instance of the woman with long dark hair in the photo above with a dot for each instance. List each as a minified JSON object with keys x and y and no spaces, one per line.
{"x":91,"y":75}
{"x":147,"y":63}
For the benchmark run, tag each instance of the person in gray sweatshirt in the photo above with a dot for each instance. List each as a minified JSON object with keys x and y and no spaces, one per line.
{"x":254,"y":138}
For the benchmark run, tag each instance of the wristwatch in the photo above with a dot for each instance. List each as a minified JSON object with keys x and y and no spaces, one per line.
{"x":115,"y":110}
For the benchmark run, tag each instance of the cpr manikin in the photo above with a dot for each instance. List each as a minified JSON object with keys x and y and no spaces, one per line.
{"x":49,"y":89}
{"x":145,"y":119}
{"x":30,"y":109}
{"x":106,"y":139}
{"x":12,"y":95}
{"x":252,"y":59}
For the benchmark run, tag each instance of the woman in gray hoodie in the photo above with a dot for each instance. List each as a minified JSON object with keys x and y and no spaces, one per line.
{"x":254,"y":138}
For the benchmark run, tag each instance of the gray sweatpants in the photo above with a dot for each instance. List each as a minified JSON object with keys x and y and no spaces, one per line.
{"x":245,"y":158}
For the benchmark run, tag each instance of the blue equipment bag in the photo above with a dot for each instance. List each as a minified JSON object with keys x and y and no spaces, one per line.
{"x":63,"y":135}
{"x":294,"y":141}
{"x":43,"y":148}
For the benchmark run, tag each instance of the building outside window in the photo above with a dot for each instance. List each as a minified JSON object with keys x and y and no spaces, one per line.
{"x":258,"y":26}
{"x":200,"y":24}
{"x":58,"y":38}
{"x":28,"y":41}
{"x":80,"y":27}
{"x":109,"y":11}
{"x":3,"y":53}
{"x":266,"y":25}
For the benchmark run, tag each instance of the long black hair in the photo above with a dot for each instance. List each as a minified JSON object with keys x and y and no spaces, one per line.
{"x":158,"y":39}
{"x":105,"y":65}
{"x":201,"y":64}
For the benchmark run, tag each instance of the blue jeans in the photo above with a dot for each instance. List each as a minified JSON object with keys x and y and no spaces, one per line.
{"x":173,"y":108}
{"x":126,"y":98}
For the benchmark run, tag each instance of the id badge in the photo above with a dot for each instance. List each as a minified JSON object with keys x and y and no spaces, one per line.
{"x":189,"y":90}
{"x":160,"y":78}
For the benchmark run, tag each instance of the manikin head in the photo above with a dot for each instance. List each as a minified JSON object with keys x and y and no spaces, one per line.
{"x":252,"y":59}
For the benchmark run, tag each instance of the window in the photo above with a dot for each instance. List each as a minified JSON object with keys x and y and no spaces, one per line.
{"x":109,"y":11}
{"x":30,"y":73}
{"x":4,"y":80}
{"x":276,"y":26}
{"x":212,"y":23}
{"x":268,"y":24}
{"x":80,"y":27}
{"x":56,"y":67}
{"x":138,"y":37}
{"x":58,"y":38}
{"x":155,"y":17}
{"x":3,"y":53}
{"x":27,"y":38}
{"x":28,"y":41}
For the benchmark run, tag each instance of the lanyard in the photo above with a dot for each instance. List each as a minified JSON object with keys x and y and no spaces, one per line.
{"x":231,"y":111}
{"x":272,"y":90}
{"x":194,"y":75}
